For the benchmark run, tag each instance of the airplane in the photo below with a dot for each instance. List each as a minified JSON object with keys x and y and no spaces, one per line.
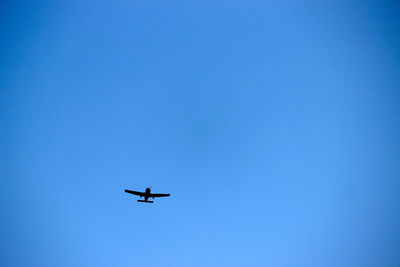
{"x":147,"y":194}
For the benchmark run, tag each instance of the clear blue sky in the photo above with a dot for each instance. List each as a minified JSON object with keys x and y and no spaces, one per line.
{"x":275,"y":126}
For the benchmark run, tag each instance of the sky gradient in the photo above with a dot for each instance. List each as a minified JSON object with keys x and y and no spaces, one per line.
{"x":275,"y":126}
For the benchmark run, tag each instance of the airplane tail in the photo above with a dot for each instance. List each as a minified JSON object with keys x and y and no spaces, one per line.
{"x":148,"y":201}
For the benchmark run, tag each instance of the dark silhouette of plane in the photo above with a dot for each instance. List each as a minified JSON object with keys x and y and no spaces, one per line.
{"x":146,"y":194}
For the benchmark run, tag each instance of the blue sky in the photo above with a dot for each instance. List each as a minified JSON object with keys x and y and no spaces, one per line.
{"x":273,"y":124}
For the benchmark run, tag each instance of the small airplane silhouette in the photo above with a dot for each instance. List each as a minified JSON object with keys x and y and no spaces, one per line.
{"x":146,"y":194}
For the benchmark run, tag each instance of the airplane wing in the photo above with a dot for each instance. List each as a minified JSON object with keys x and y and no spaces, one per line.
{"x":134,"y":192}
{"x":159,"y":195}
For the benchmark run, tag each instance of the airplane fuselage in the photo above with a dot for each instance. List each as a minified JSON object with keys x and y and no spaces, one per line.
{"x":147,"y":194}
